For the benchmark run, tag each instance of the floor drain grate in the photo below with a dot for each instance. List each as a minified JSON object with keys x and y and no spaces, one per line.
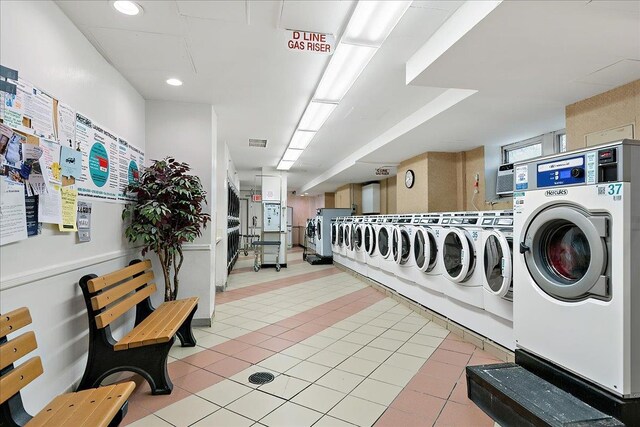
{"x":261,"y":378}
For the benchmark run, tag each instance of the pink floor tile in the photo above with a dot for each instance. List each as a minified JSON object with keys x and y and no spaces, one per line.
{"x":253,"y":338}
{"x":455,"y":414}
{"x":290,"y":323}
{"x":396,"y":418}
{"x":198,"y":381}
{"x":437,"y":387}
{"x":459,"y":394}
{"x":273,"y":330}
{"x":450,"y":357}
{"x":254,"y":355}
{"x":441,"y":370}
{"x":483,"y":354}
{"x":134,"y":413}
{"x":231,"y":347}
{"x":228,"y":367}
{"x":204,"y":358}
{"x":276,"y":344}
{"x":155,"y":403}
{"x":458,"y":346}
{"x":295,"y":335}
{"x":179,"y":369}
{"x":422,"y":405}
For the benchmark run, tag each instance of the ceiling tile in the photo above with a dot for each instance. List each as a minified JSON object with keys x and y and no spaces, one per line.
{"x":315,"y":15}
{"x":219,"y":10}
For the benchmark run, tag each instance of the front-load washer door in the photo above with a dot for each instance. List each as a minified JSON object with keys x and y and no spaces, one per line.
{"x":369,"y":239}
{"x":347,"y":236}
{"x":565,"y":250}
{"x":384,"y":248}
{"x":425,"y":249}
{"x":395,"y":244}
{"x":458,"y":255}
{"x":498,"y":259}
{"x":404,"y":249}
{"x":357,"y":237}
{"x":334,"y":234}
{"x":341,"y":235}
{"x":319,"y":229}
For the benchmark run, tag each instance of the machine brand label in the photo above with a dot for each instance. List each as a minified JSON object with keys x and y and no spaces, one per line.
{"x":551,"y":193}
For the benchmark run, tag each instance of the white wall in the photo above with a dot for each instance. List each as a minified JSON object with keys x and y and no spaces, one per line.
{"x":188,"y":132}
{"x":38,"y":40}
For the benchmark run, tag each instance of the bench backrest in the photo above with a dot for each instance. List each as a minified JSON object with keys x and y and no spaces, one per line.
{"x":15,"y":378}
{"x":115,"y":293}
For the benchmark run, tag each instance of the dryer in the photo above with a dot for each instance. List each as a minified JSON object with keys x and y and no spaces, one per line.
{"x":497,"y":257}
{"x":577,"y":288}
{"x":459,"y":257}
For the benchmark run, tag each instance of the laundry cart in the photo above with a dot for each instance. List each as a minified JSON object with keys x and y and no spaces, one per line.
{"x":260,"y":249}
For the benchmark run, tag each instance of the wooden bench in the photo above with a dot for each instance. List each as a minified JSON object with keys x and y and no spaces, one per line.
{"x":145,"y":349}
{"x":103,"y":406}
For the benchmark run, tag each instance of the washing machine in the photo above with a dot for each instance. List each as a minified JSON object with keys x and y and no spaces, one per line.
{"x":386,"y":248}
{"x":402,"y":240}
{"x":496,"y":254}
{"x":334,"y":236}
{"x":358,"y":243}
{"x":427,"y":241}
{"x":372,"y":257}
{"x":459,"y":257}
{"x":577,"y":270}
{"x":310,"y":233}
{"x":348,"y":238}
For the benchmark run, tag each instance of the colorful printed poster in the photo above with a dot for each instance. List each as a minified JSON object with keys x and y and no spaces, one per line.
{"x":16,"y":106}
{"x":33,"y":226}
{"x":50,"y":162}
{"x":70,"y":164}
{"x":13,"y":214}
{"x":130,"y":167}
{"x":84,"y":221}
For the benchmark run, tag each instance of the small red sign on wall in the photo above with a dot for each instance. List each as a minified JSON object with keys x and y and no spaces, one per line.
{"x":304,"y":41}
{"x":256,"y":198}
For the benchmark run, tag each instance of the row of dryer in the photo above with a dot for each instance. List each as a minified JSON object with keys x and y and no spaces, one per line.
{"x":464,"y":256}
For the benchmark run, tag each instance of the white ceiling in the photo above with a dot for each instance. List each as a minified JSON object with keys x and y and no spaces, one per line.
{"x":527,"y":60}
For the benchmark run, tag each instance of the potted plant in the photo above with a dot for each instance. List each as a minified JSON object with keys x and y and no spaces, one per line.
{"x":166,"y":213}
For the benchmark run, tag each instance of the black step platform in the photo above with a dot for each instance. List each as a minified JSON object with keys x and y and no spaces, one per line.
{"x":513,"y":396}
{"x":318,"y":260}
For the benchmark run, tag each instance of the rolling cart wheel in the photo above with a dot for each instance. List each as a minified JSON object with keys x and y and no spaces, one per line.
{"x":246,"y":253}
{"x":256,"y":268}
{"x":278,"y":267}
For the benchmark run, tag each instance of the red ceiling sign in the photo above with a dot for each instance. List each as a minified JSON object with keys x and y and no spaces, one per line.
{"x":256,"y":198}
{"x":304,"y":41}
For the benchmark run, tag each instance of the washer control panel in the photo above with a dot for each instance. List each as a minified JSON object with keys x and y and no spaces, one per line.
{"x":562,"y":172}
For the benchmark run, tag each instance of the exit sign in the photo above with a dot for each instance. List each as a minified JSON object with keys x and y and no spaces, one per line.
{"x":304,"y":41}
{"x":256,"y":198}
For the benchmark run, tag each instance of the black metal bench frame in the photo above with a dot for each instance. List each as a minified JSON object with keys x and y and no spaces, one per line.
{"x":149,"y":361}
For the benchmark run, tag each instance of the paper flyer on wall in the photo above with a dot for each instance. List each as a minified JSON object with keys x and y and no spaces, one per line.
{"x":39,"y":110}
{"x":131,"y":160}
{"x":31,"y":206}
{"x":35,"y":182}
{"x":84,"y":221}
{"x":66,"y":125}
{"x":69,"y":209}
{"x":13,"y":215}
{"x":50,"y":206}
{"x":50,"y":162}
{"x":70,"y":165}
{"x":15,"y":106}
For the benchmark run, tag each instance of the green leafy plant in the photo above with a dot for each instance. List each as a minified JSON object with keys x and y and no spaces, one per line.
{"x":166,"y":213}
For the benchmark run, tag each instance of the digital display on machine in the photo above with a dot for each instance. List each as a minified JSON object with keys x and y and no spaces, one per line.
{"x":561,"y":172}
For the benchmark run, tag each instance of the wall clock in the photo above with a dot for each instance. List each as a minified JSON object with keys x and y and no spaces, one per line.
{"x":409,"y":178}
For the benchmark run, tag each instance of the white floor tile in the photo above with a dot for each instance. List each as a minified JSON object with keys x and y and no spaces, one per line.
{"x":224,"y":392}
{"x":357,"y":411}
{"x":373,"y":354}
{"x":392,"y":375}
{"x":340,"y":380}
{"x":255,"y":405}
{"x":405,"y":361}
{"x":328,"y":421}
{"x":308,"y":371}
{"x":212,"y":340}
{"x":151,"y":421}
{"x":334,"y":333}
{"x":371,"y":330}
{"x":187,"y":411}
{"x":327,"y":358}
{"x":355,"y":365}
{"x":226,"y":418}
{"x":358,"y":338}
{"x":376,"y":391}
{"x":279,"y":362}
{"x":413,"y":349}
{"x":319,"y":398}
{"x":318,"y":341}
{"x":300,"y":351}
{"x":426,"y":340}
{"x":433,"y":330}
{"x":397,"y":335}
{"x":344,"y":347}
{"x":284,"y":386}
{"x":291,"y":415}
{"x":386,"y":344}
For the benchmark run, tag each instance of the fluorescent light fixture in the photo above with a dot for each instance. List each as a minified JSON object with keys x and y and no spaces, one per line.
{"x":343,"y":70}
{"x":174,"y":82}
{"x":301,"y":139}
{"x":372,"y":21}
{"x":315,"y":115}
{"x":128,"y":8}
{"x":292,"y":155}
{"x":285,"y":165}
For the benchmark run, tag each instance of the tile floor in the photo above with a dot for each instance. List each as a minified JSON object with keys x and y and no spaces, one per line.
{"x":342,"y":354}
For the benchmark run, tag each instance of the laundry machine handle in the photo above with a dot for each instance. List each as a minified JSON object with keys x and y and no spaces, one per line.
{"x":524,"y":248}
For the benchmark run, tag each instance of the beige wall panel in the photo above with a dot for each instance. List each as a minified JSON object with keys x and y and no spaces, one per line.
{"x":608,"y":110}
{"x":443,"y":182}
{"x":392,"y":199}
{"x":413,"y":199}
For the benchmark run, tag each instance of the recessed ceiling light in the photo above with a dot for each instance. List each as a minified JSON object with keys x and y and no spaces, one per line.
{"x":174,"y":82}
{"x":285,"y":165}
{"x":127,"y":7}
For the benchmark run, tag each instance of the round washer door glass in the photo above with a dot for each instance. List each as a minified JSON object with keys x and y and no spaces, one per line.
{"x":319,"y":229}
{"x":334,"y":234}
{"x":498,"y":253}
{"x":341,"y":234}
{"x":369,"y":240}
{"x":457,"y":255}
{"x":405,"y":246}
{"x":425,"y":251}
{"x":383,"y":241}
{"x":566,"y":252}
{"x":357,"y":238}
